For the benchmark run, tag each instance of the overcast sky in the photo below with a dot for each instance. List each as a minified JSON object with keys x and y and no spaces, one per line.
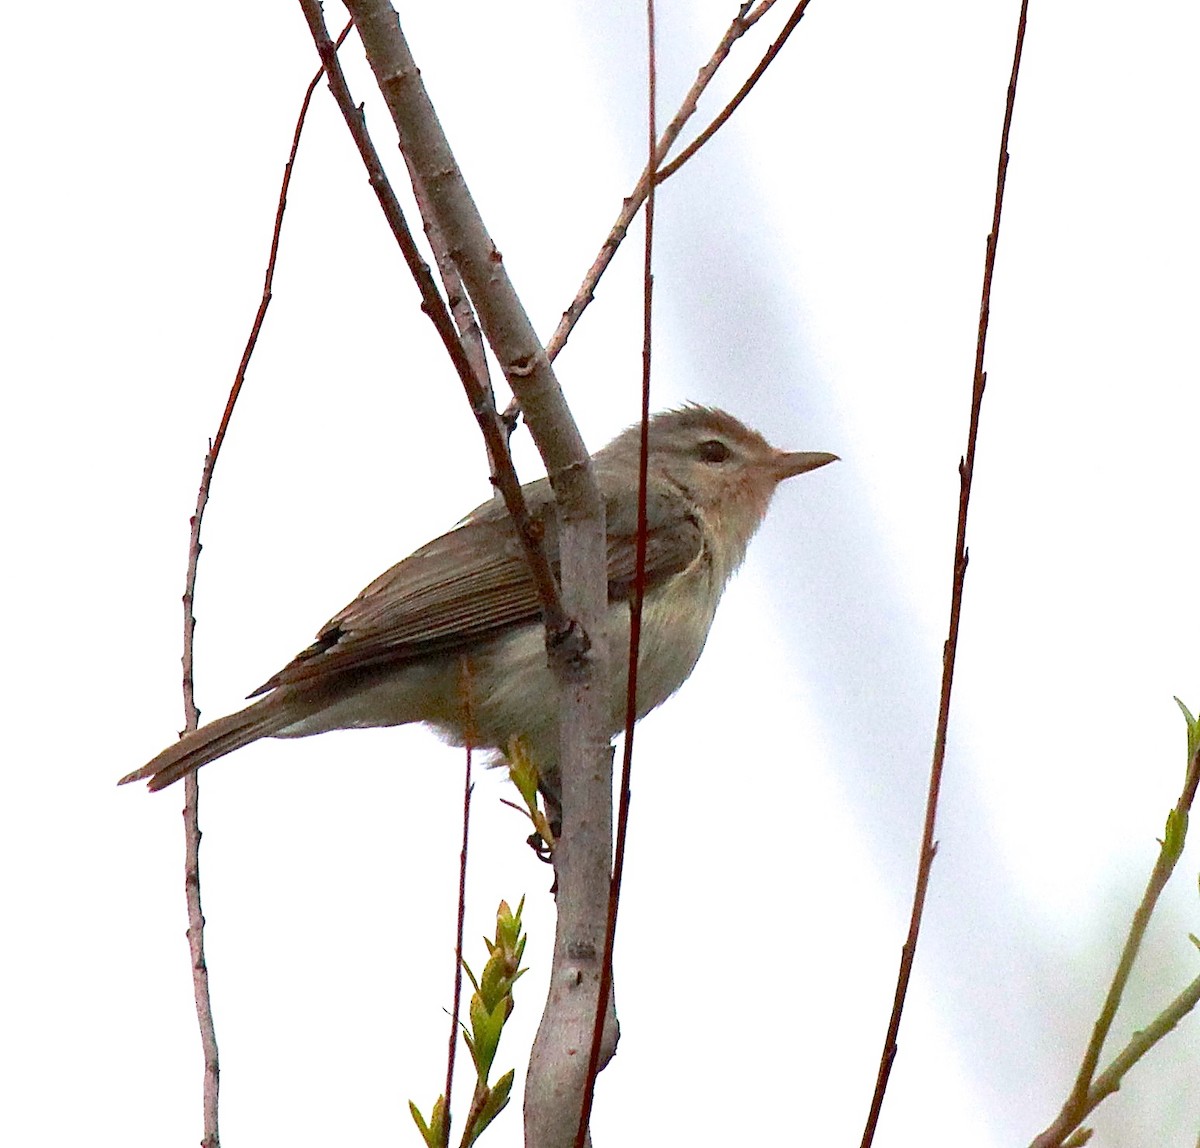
{"x":817,"y":273}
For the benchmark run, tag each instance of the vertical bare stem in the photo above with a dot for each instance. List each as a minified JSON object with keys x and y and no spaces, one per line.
{"x":191,"y":789}
{"x":966,"y":470}
{"x":465,"y":672}
{"x":191,"y":815}
{"x":639,"y":584}
{"x":577,"y":636}
{"x":195,"y":937}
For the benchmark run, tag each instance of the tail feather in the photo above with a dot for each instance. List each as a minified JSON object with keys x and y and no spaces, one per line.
{"x":261,"y":719}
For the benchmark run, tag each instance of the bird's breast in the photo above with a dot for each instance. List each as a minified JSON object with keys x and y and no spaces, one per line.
{"x":676,"y":618}
{"x":513,"y":690}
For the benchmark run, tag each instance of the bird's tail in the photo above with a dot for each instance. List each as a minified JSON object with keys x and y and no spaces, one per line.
{"x":260,"y":719}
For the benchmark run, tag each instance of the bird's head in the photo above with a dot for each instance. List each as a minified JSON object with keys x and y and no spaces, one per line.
{"x":725,"y":469}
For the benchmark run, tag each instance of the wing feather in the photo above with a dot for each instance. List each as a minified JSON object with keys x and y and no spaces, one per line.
{"x":471,"y":584}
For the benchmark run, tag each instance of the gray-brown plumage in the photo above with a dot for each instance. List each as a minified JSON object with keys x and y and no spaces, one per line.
{"x":460,"y":617}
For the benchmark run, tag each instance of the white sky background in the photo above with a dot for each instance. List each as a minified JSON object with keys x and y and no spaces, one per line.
{"x":818,"y":274}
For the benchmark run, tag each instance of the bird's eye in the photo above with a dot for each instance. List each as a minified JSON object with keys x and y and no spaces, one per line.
{"x":713,"y":450}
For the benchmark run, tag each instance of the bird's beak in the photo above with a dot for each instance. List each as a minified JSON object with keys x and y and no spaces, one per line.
{"x":788,"y":464}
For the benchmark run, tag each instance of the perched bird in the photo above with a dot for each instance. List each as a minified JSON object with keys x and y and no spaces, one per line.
{"x":453,"y":635}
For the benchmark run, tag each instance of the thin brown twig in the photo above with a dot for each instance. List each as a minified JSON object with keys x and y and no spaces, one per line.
{"x":459,"y":302}
{"x":195,"y":936}
{"x":456,"y":294}
{"x":468,"y":709}
{"x":966,"y":470}
{"x":504,"y":475}
{"x":671,"y":168}
{"x":635,"y":619}
{"x":738,"y":27}
{"x":191,"y":792}
{"x":747,"y":16}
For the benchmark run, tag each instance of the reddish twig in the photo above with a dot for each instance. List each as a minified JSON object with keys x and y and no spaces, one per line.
{"x":966,"y":470}
{"x":635,"y":619}
{"x":456,"y":294}
{"x":465,"y":671}
{"x":748,"y":15}
{"x":191,"y":792}
{"x":504,"y":475}
{"x":671,"y":168}
{"x":459,"y":303}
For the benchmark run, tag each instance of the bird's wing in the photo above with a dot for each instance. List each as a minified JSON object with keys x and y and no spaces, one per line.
{"x":472,"y":583}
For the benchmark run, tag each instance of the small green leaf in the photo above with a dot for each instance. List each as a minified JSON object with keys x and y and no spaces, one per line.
{"x":500,"y":1092}
{"x":486,"y":1028}
{"x":523,"y":771}
{"x":432,"y":1133}
{"x":493,"y":985}
{"x":508,"y":924}
{"x":420,"y":1121}
{"x":497,"y":1099}
{"x":1193,"y":731}
{"x":1176,"y":833}
{"x":440,"y":1124}
{"x":478,"y":1011}
{"x":471,"y":975}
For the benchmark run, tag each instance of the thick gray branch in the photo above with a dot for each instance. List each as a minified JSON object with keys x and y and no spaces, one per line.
{"x":583,"y":860}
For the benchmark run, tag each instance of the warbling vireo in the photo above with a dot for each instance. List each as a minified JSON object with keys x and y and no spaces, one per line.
{"x":464,"y":607}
